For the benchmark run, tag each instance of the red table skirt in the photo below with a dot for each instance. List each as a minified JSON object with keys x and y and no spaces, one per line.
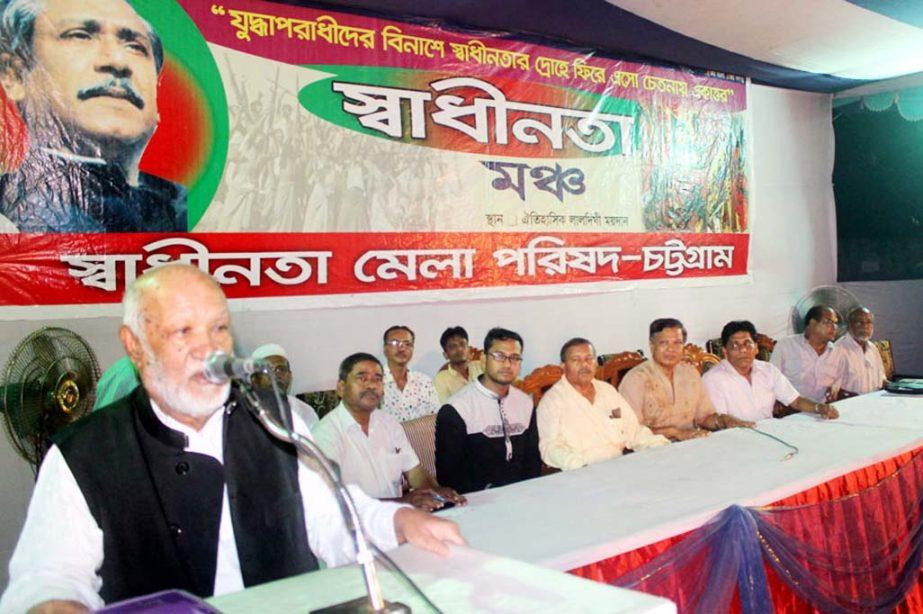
{"x":784,"y":600}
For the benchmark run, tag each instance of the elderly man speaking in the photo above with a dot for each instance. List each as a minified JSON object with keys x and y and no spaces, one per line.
{"x":177,"y":486}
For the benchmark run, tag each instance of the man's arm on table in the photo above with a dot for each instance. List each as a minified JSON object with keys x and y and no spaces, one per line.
{"x":386,"y":524}
{"x":426,"y":492}
{"x":632,"y":388}
{"x":786,"y":394}
{"x":807,"y":406}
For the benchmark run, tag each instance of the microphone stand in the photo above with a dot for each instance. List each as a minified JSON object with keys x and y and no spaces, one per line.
{"x":348,"y":509}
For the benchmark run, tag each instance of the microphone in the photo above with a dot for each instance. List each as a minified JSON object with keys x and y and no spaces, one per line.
{"x":794,"y":449}
{"x":219,"y":367}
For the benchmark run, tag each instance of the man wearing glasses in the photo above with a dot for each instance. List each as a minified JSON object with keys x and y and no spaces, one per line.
{"x":409,"y":394}
{"x":810,"y":361}
{"x":277,"y":357}
{"x":486,"y":434}
{"x":747,"y":388}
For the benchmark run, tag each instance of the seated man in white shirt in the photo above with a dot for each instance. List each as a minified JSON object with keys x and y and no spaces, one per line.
{"x":370,"y":446}
{"x":810,"y":361}
{"x":748,"y":389}
{"x":865,"y":371}
{"x":177,"y":486}
{"x":582,"y":420}
{"x":277,"y":357}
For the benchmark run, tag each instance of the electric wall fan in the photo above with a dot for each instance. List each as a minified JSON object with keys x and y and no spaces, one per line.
{"x":49,"y":382}
{"x":841,"y":300}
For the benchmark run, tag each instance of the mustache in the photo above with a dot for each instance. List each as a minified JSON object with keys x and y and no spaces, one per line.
{"x":117,"y":87}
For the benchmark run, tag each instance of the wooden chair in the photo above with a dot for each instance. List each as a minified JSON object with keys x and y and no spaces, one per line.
{"x":323,"y":401}
{"x":539,"y":381}
{"x":764,"y":345}
{"x":422,"y":435}
{"x":887,"y":356}
{"x":617,"y":365}
{"x":714,"y":346}
{"x":699,"y":358}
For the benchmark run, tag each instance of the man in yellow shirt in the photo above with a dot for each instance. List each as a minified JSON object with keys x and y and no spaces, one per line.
{"x":460,"y":371}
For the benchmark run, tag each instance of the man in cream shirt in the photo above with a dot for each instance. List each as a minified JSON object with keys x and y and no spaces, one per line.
{"x":582,"y":420}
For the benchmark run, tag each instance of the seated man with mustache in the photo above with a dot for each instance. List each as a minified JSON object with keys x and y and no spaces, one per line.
{"x":370,"y":445}
{"x":582,"y":420}
{"x":83,"y":75}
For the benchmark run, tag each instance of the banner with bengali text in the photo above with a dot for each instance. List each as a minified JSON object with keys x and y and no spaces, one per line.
{"x":294,"y":151}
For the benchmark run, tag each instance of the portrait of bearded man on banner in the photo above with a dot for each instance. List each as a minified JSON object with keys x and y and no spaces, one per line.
{"x":78,"y":107}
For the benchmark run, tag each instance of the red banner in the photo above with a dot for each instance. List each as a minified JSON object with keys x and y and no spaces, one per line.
{"x":79,"y":269}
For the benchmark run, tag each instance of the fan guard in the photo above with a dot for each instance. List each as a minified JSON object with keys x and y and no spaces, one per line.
{"x":839,"y":299}
{"x":49,"y":381}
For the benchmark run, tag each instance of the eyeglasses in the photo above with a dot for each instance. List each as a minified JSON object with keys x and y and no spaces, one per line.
{"x":400,"y":343}
{"x":736,"y":346}
{"x":828,"y":322}
{"x":281,"y":369}
{"x":501,"y":357}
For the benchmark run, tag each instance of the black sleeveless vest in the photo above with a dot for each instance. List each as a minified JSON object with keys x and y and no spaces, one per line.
{"x":159,"y":507}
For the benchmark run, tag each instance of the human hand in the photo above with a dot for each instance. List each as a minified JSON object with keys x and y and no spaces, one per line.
{"x":425,"y":499}
{"x":450,"y":495}
{"x":826,"y":411}
{"x":732,"y":422}
{"x":684,"y":434}
{"x":428,"y":532}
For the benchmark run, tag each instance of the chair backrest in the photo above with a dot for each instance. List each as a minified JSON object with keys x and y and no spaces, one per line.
{"x":323,"y":401}
{"x":765,"y":345}
{"x":887,"y":356}
{"x":422,"y":435}
{"x":699,"y":358}
{"x":539,"y":381}
{"x":617,"y":365}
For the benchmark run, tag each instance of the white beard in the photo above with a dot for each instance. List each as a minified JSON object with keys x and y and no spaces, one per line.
{"x":176,"y":396}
